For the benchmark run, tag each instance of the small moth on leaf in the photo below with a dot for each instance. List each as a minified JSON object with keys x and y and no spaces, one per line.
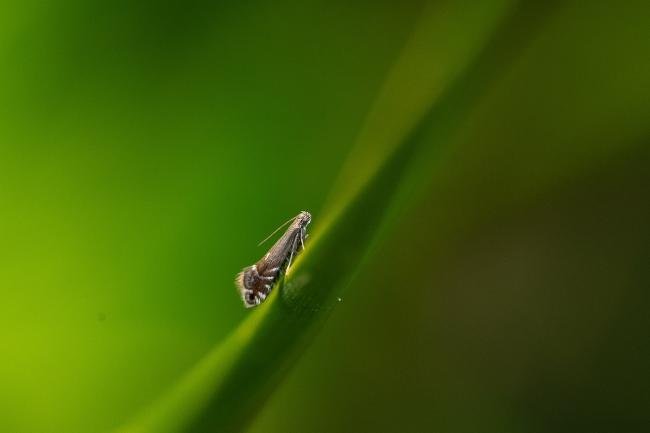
{"x":256,"y":281}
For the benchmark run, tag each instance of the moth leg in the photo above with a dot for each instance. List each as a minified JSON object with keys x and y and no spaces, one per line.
{"x":293,"y":248}
{"x":302,"y":238}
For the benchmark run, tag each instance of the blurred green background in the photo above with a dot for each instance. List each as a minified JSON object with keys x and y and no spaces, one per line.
{"x":146,"y":147}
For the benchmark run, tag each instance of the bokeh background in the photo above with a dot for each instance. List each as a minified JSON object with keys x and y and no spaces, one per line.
{"x":146,"y":147}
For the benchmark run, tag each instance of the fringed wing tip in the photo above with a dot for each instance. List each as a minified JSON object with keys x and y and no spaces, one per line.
{"x":243,"y":291}
{"x":239,"y":282}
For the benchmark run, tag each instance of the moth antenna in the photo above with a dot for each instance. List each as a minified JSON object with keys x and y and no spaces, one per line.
{"x":276,"y":230}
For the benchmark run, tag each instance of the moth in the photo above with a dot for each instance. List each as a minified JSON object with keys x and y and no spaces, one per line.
{"x":256,"y":281}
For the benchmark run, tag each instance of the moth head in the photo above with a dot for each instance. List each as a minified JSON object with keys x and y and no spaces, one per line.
{"x":304,"y":218}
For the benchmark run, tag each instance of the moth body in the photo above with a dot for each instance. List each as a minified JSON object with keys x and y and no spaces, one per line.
{"x":256,"y":281}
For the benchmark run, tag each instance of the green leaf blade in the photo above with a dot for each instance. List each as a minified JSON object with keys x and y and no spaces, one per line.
{"x":224,"y":391}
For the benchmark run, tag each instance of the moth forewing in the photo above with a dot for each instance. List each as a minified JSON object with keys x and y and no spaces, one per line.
{"x":255,"y":282}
